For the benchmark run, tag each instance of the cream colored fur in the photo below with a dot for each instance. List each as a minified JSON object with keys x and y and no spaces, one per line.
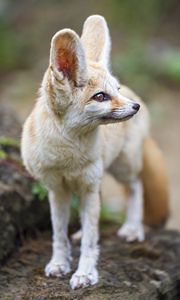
{"x":70,"y":139}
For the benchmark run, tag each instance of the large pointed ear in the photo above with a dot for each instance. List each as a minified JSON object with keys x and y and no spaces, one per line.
{"x":96,"y":40}
{"x":67,"y":57}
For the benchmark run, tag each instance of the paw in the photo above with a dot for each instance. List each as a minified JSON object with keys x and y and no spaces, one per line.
{"x":81,"y":280}
{"x":77,"y":235}
{"x":57,"y":269}
{"x":132,"y":232}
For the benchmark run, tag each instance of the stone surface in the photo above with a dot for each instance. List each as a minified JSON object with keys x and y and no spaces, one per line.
{"x":146,"y":271}
{"x":20,"y":210}
{"x":10,"y":126}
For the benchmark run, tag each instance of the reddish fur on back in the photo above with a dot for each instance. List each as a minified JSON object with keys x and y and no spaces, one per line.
{"x":155,"y":182}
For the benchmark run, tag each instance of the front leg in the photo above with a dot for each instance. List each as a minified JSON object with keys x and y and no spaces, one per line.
{"x":133,"y":228}
{"x":60,"y":205}
{"x":86,"y":273}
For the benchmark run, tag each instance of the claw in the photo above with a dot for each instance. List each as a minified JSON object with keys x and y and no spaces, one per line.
{"x":83,"y":280}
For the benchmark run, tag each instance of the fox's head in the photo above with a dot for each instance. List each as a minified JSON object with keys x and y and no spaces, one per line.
{"x":80,"y":88}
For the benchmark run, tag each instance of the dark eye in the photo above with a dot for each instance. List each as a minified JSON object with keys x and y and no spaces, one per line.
{"x":100,"y":97}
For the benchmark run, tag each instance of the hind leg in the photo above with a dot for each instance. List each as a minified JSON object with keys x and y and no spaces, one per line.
{"x":133,"y":228}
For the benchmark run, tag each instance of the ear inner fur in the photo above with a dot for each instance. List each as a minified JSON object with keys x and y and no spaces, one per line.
{"x":67,"y":57}
{"x":66,"y":61}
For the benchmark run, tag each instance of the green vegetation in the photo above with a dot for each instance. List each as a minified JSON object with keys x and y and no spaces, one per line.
{"x":115,"y":217}
{"x":11,"y":50}
{"x":5,"y":144}
{"x":137,"y":17}
{"x":8,"y":141}
{"x":39,"y":190}
{"x":3,"y":154}
{"x":142,"y":71}
{"x":135,"y":68}
{"x":106,"y":215}
{"x":170,"y":66}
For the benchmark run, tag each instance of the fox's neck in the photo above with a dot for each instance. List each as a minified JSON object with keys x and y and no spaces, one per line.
{"x":84,"y":136}
{"x":82,"y":144}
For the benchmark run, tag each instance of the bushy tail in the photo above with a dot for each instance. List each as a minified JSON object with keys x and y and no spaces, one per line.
{"x":155,"y":182}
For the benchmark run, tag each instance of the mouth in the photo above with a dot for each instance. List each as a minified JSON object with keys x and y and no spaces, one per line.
{"x":115,"y":118}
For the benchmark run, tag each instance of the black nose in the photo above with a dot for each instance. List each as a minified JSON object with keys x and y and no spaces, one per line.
{"x":136,"y":106}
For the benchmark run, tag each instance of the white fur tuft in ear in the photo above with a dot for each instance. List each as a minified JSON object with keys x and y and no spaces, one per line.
{"x":96,"y":40}
{"x":67,"y":57}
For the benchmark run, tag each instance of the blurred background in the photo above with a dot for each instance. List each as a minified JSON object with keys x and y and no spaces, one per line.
{"x":145,"y":56}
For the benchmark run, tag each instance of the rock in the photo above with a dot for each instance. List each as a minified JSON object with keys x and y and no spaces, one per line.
{"x":138,"y":271}
{"x":20,"y":209}
{"x":10,"y":126}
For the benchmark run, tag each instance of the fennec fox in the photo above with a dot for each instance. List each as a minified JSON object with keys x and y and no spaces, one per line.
{"x":76,"y":131}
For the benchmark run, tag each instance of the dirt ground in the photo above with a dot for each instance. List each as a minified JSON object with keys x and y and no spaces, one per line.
{"x":134,"y":271}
